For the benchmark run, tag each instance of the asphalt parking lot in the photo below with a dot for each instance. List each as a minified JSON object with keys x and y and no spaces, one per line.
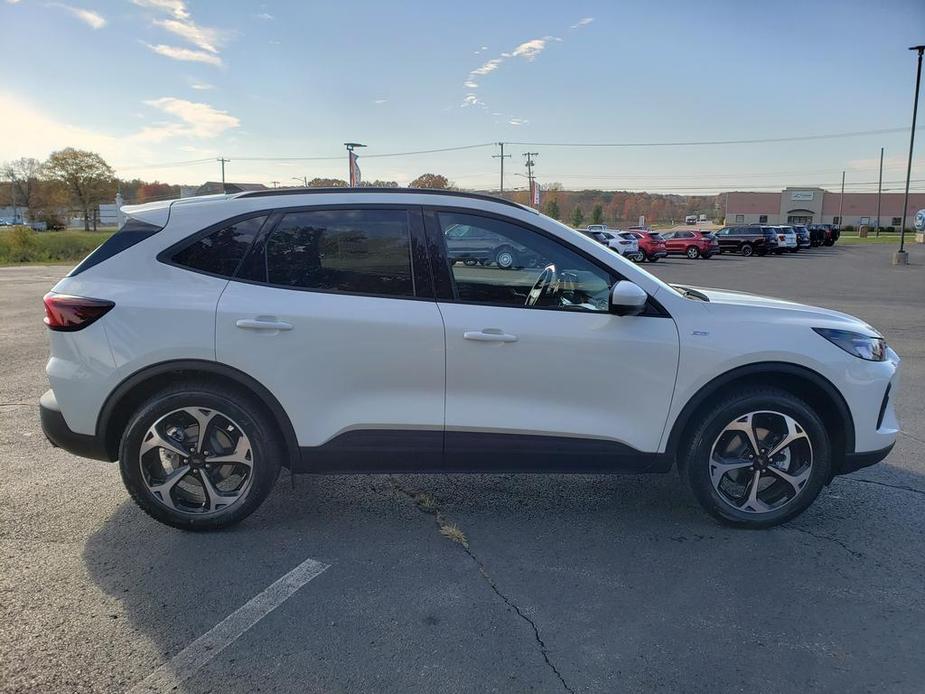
{"x":555,"y":583}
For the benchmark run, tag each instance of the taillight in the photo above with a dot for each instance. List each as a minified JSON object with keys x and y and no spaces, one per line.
{"x":67,"y":313}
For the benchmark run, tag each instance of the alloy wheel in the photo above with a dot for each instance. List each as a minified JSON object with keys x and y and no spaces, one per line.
{"x":505,"y":259}
{"x":761,"y":462}
{"x":196,"y":460}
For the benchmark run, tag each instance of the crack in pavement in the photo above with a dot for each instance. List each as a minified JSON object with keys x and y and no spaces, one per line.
{"x":901,"y":487}
{"x":427,"y":504}
{"x":818,"y":536}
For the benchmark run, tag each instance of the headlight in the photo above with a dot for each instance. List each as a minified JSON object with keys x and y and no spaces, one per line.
{"x":862,"y":346}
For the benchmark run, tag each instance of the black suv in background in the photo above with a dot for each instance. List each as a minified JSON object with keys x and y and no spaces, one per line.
{"x":830,"y":230}
{"x":804,"y":239}
{"x":747,"y":239}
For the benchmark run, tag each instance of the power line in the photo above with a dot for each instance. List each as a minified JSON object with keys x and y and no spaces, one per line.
{"x":372,"y":156}
{"x":697,"y":143}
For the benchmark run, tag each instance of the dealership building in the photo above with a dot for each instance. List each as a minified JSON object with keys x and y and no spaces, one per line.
{"x":819,"y":206}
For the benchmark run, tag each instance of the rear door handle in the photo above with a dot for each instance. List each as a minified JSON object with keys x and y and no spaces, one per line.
{"x":489,"y":335}
{"x":263,"y":324}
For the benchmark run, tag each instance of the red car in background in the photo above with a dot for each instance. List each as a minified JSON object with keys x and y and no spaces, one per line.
{"x":651,"y":245}
{"x":692,"y":243}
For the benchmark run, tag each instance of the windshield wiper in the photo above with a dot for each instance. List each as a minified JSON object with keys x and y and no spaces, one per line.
{"x":691,"y":293}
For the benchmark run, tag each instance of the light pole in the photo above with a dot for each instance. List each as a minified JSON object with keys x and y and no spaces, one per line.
{"x":901,"y":257}
{"x":302,"y":179}
{"x":879,"y":189}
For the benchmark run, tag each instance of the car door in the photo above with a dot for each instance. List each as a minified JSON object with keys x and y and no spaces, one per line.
{"x":333,"y":312}
{"x":547,"y":378}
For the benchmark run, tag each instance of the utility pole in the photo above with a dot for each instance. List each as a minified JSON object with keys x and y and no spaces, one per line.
{"x":841,"y":202}
{"x":502,"y":157}
{"x":223,"y":161}
{"x":529,"y":165}
{"x":879,"y":188}
{"x":275,"y":184}
{"x":901,"y":257}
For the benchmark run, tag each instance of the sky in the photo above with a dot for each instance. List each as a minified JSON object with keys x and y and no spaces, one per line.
{"x":162,"y":88}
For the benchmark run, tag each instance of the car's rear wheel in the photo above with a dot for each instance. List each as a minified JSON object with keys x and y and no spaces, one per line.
{"x":758,"y":458}
{"x":693,"y":252}
{"x":747,"y":250}
{"x":199,"y":456}
{"x":652,"y":258}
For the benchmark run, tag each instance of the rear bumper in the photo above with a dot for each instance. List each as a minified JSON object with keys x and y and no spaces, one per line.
{"x":61,"y":436}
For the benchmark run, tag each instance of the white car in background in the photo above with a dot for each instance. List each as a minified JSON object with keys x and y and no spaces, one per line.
{"x":622,"y":242}
{"x":786,"y":239}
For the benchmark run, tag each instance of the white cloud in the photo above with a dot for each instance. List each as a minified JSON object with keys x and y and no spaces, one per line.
{"x":92,"y":19}
{"x":472,"y":100}
{"x":379,"y":101}
{"x":178,"y":53}
{"x":583,"y":22}
{"x":518,"y":121}
{"x":175,"y":7}
{"x":490,"y":66}
{"x":265,"y":16}
{"x":202,"y":86}
{"x":196,"y":119}
{"x":470,"y":84}
{"x":206,"y":38}
{"x":529,"y":49}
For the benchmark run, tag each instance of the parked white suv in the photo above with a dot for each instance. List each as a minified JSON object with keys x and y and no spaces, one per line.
{"x":213,"y":340}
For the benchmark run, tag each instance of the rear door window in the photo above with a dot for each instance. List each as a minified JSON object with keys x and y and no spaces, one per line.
{"x":351,"y":251}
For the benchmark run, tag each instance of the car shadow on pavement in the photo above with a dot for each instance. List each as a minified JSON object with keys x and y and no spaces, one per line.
{"x":572,"y":555}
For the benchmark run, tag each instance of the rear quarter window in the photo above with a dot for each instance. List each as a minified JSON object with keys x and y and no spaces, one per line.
{"x":221,"y":252}
{"x":132,"y":232}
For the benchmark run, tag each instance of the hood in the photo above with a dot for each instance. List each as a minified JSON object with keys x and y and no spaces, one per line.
{"x":721,"y":299}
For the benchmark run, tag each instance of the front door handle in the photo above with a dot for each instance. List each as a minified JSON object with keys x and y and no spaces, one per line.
{"x":489,"y":335}
{"x":263,"y":324}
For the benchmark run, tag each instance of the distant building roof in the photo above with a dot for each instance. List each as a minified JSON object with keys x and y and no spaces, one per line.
{"x":212,"y":187}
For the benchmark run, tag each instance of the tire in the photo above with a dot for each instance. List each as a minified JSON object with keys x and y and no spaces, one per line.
{"x":652,"y":258}
{"x":692,"y":252}
{"x":235,"y":418}
{"x":828,"y":242}
{"x":762,"y":410}
{"x":779,"y":251}
{"x":795,"y":250}
{"x":505,"y":258}
{"x":470,"y":262}
{"x":706,"y":256}
{"x":747,"y":250}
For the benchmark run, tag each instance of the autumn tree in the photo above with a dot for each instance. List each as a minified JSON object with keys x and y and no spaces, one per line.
{"x":327,"y":183}
{"x":597,"y":214}
{"x":88,"y":179}
{"x":552,"y":208}
{"x":430,"y":180}
{"x":24,"y":176}
{"x":378,"y":183}
{"x":578,"y":217}
{"x":148,"y":192}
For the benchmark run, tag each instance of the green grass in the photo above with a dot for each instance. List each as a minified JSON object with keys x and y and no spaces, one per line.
{"x":20,"y":245}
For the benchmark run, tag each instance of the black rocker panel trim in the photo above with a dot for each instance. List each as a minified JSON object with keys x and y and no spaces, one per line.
{"x":417,"y":451}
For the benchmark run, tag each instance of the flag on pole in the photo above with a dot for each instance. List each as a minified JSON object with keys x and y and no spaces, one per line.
{"x":534,"y":193}
{"x":354,"y":170}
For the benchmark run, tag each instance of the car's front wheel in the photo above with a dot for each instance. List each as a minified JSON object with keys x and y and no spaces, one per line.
{"x":758,"y":458}
{"x":199,"y":456}
{"x":693,"y":252}
{"x":747,"y":249}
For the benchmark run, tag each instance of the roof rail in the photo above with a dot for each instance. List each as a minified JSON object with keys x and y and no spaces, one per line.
{"x":410,"y":191}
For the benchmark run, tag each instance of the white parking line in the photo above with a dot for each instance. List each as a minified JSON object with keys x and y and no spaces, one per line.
{"x":197,"y":654}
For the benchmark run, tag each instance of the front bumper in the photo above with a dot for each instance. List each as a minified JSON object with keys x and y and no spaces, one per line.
{"x":856,"y":461}
{"x":61,"y":436}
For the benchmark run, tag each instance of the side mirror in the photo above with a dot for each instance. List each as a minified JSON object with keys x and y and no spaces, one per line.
{"x":627,"y":299}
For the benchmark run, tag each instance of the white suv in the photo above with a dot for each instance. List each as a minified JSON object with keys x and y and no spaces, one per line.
{"x":213,"y":340}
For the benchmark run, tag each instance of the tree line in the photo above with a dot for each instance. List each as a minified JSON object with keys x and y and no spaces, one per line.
{"x":77,"y":181}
